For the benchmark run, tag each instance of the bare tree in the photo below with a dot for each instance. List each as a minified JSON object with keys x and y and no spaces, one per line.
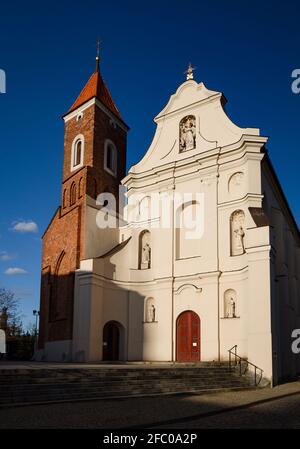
{"x":9,"y":302}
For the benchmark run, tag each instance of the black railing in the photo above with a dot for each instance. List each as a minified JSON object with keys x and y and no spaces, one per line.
{"x":258,"y":372}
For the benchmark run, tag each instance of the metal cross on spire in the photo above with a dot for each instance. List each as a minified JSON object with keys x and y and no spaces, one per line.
{"x":98,"y":53}
{"x":190,"y":72}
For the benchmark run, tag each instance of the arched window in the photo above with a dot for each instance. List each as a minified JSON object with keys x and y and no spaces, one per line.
{"x":77,"y":152}
{"x":144,"y":250}
{"x":60,"y":285}
{"x":73,"y":194}
{"x":65,"y":198}
{"x":150,"y":311}
{"x":144,"y":210}
{"x":237,"y":233}
{"x":189,"y":227}
{"x":80,"y":188}
{"x":110,"y":157}
{"x":230,"y":304}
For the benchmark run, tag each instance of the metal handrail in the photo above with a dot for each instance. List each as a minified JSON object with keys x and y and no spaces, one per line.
{"x":239,"y":360}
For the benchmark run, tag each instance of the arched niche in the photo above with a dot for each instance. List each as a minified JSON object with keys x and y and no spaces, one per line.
{"x":236,"y":184}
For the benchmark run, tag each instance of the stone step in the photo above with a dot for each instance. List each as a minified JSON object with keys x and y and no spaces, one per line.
{"x":115,"y":377}
{"x":92,"y":373}
{"x":46,"y":385}
{"x":117,"y":373}
{"x":34,"y":396}
{"x":52,"y":396}
{"x":121,"y":382}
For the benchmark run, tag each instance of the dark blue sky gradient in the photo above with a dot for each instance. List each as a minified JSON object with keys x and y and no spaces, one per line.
{"x":246,"y":49}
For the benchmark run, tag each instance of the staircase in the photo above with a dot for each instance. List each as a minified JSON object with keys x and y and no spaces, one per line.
{"x":21,"y":386}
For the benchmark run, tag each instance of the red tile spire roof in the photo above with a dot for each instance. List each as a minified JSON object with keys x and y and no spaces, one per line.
{"x":96,"y":88}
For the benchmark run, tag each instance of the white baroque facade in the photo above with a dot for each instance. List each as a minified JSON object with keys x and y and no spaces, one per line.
{"x":146,"y":291}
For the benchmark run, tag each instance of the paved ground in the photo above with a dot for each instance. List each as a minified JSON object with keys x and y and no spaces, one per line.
{"x":264,"y":408}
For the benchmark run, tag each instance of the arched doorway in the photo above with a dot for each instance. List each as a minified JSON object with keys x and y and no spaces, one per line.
{"x":111,"y":341}
{"x":188,"y":337}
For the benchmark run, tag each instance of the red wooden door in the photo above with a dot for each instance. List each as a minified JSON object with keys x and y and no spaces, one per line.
{"x":188,"y":337}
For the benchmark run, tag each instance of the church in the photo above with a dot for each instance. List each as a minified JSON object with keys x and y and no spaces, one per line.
{"x":190,"y":253}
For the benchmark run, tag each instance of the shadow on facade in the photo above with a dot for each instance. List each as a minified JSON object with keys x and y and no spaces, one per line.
{"x":104,"y":321}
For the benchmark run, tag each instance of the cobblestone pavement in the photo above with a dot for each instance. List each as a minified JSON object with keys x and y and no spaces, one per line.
{"x":262,"y":408}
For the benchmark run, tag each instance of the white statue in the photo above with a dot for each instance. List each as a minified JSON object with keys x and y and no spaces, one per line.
{"x":187,"y":134}
{"x":146,"y":255}
{"x":237,"y":224}
{"x":240,"y":234}
{"x":151,"y":313}
{"x":231,"y":308}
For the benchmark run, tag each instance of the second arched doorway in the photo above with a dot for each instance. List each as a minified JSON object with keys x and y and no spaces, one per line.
{"x":111,"y":341}
{"x":188,"y":337}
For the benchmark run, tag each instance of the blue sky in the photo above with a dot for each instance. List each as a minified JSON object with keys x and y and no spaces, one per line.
{"x":246,"y":49}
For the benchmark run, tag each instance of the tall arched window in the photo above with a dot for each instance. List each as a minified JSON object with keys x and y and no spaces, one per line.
{"x":77,"y":152}
{"x":61,"y":284}
{"x":73,"y":194}
{"x":189,"y":228}
{"x":110,"y":157}
{"x":144,"y":250}
{"x":80,"y":188}
{"x":65,"y":198}
{"x":144,"y":208}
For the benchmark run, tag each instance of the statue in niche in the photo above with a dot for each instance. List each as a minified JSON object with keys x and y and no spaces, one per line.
{"x":230,"y":302}
{"x":240,"y":234}
{"x":146,"y":256}
{"x":187,"y":130}
{"x":231,"y":308}
{"x":237,"y":233}
{"x":151,"y":313}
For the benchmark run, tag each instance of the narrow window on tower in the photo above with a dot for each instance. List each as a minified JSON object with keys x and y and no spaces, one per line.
{"x":77,"y":153}
{"x":73,"y":194}
{"x":110,"y":158}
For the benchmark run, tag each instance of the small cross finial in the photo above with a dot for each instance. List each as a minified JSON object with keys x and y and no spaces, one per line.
{"x":98,"y":53}
{"x":190,"y":72}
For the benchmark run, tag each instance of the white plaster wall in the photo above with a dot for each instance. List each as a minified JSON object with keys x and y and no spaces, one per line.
{"x":118,"y":289}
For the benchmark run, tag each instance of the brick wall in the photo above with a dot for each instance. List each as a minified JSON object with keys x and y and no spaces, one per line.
{"x":63,"y":241}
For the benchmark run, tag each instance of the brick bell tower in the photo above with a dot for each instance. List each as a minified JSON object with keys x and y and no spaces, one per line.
{"x":95,"y":138}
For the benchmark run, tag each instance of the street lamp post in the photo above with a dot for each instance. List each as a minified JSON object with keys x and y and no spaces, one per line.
{"x":36,"y":313}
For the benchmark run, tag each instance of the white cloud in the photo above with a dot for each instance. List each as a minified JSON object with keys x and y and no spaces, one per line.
{"x":4,"y":256}
{"x":25,"y":226}
{"x":14,"y":271}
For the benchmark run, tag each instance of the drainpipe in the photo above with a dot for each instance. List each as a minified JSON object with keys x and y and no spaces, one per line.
{"x":218,"y":249}
{"x":173,"y":280}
